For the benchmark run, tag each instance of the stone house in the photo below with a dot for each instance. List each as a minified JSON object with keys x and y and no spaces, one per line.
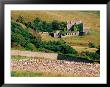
{"x":70,"y":32}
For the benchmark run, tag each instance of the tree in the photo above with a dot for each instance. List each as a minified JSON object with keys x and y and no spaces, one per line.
{"x":29,"y":25}
{"x":62,"y":25}
{"x":55,"y":25}
{"x":30,"y":46}
{"x":37,"y":24}
{"x":91,"y":45}
{"x":18,"y":39}
{"x":49,"y":27}
{"x":98,"y":51}
{"x":37,"y":20}
{"x":21,"y":20}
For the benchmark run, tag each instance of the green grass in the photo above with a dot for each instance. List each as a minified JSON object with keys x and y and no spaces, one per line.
{"x":44,"y":74}
{"x":36,"y":74}
{"x":17,"y":58}
{"x":25,"y":74}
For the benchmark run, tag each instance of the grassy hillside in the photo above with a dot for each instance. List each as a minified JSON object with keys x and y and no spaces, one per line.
{"x":90,"y":18}
{"x":27,"y":37}
{"x":93,"y":37}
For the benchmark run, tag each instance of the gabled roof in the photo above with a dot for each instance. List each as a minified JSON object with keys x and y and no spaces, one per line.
{"x":72,"y":22}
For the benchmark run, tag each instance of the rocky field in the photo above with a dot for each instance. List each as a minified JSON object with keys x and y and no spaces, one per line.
{"x":55,"y":67}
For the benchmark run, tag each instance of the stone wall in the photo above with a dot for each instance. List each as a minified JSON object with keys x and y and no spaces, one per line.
{"x":34,"y":54}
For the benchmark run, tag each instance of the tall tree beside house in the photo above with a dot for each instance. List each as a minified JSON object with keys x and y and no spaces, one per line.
{"x":80,"y":26}
{"x":62,"y":25}
{"x":55,"y":25}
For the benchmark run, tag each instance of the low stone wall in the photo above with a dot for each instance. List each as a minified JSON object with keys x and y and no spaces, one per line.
{"x":55,"y":56}
{"x":34,"y":54}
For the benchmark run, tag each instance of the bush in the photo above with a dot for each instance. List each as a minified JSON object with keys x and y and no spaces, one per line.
{"x":29,"y":25}
{"x":98,"y":51}
{"x":59,"y":46}
{"x":44,"y":50}
{"x":21,"y":20}
{"x":91,"y":45}
{"x":22,"y":36}
{"x":73,"y":57}
{"x":55,"y":25}
{"x":91,"y":55}
{"x":30,"y":46}
{"x":18,"y":39}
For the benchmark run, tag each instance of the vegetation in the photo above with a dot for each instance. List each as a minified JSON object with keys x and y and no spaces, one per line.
{"x":28,"y":37}
{"x":90,"y":18}
{"x":25,"y":74}
{"x":91,"y":55}
{"x":42,"y":26}
{"x":22,"y":37}
{"x":41,"y":74}
{"x":91,"y":45}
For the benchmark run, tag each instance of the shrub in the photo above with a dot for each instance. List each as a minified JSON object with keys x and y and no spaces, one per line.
{"x":62,"y":26}
{"x":91,"y":55}
{"x":98,"y":51}
{"x":22,"y":36}
{"x":29,"y":25}
{"x":73,"y":57}
{"x":91,"y":45}
{"x":21,"y":20}
{"x":55,"y":25}
{"x":59,"y":46}
{"x":44,"y":50}
{"x":18,"y":39}
{"x":30,"y":46}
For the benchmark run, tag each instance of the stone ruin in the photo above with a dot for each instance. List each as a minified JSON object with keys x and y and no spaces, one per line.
{"x":82,"y":31}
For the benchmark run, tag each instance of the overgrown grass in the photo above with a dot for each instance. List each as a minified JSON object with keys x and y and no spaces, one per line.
{"x":17,"y":58}
{"x":90,"y":18}
{"x":80,"y":49}
{"x":93,"y":37}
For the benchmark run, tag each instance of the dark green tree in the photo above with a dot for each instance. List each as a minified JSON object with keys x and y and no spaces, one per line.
{"x":21,"y":20}
{"x":55,"y":25}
